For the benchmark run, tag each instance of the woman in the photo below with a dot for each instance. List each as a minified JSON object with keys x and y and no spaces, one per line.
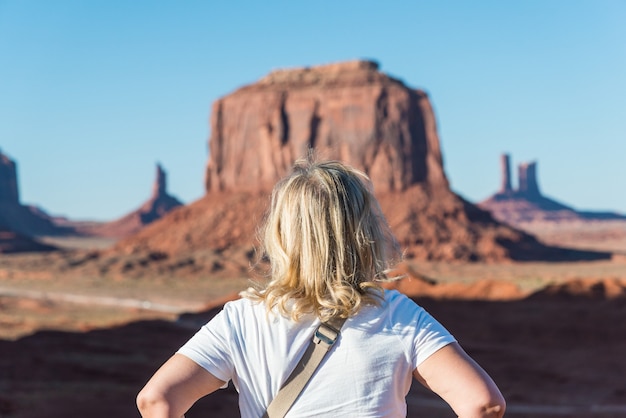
{"x":328,"y":245}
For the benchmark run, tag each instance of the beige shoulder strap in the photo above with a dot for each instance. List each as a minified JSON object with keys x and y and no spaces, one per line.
{"x":323,"y":339}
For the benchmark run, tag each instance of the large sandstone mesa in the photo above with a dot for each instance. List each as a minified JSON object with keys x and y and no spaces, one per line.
{"x":350,"y":112}
{"x":527,"y":204}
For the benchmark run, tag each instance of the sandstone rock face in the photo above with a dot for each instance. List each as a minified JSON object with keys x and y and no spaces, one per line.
{"x":347,"y":111}
{"x":526,"y":204}
{"x":159,"y":204}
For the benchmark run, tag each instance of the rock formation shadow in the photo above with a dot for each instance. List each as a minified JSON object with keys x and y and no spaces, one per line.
{"x":553,"y":348}
{"x":528,"y":248}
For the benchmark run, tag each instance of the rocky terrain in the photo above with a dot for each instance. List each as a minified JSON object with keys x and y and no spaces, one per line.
{"x":555,"y":353}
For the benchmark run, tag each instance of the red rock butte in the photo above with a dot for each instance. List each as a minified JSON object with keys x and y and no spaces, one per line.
{"x":20,"y":223}
{"x":350,"y":112}
{"x":159,"y":204}
{"x":527,"y":204}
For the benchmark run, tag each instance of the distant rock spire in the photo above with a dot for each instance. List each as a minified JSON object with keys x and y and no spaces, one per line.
{"x":527,"y":173}
{"x":505,"y":167}
{"x":160,"y":183}
{"x":527,"y":204}
{"x":8,"y":180}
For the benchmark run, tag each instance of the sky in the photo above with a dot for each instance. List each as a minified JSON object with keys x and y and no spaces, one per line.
{"x":94,"y":93}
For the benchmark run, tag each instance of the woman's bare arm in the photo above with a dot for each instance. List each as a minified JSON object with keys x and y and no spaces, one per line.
{"x":462,"y":383}
{"x":175,"y":387}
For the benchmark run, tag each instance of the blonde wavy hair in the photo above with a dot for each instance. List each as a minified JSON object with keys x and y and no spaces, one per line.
{"x":327,"y":243}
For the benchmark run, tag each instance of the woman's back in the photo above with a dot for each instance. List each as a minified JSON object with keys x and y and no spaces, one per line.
{"x":367,"y":373}
{"x":327,"y":244}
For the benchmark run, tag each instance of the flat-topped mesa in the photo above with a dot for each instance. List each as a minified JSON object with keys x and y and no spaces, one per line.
{"x":347,"y":111}
{"x":327,"y":73}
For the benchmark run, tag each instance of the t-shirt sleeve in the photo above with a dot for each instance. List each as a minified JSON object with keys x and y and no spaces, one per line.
{"x":210,"y":347}
{"x":431,"y":336}
{"x":421,"y":334}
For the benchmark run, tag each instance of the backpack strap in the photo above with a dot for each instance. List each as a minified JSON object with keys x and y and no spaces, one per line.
{"x":323,"y":340}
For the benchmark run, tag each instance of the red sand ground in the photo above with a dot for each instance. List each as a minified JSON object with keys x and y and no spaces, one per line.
{"x":558,"y":352}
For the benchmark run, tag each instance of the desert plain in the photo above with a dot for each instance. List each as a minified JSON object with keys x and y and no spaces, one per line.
{"x":550,"y":333}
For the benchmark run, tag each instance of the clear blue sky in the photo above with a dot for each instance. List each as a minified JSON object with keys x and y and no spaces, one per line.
{"x":94,"y":93}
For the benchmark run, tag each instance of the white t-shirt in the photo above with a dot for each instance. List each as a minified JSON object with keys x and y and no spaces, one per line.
{"x":368,"y":372}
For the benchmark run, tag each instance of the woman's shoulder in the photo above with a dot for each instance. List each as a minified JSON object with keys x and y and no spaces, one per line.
{"x":393,"y":306}
{"x":245,"y":310}
{"x":243,"y":305}
{"x":400,"y":306}
{"x":394,"y":298}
